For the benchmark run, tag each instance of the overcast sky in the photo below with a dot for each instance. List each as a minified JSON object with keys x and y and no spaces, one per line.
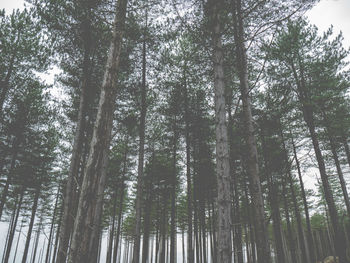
{"x":324,"y":14}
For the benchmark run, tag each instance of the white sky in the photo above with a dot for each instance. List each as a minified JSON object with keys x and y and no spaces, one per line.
{"x":332,"y":12}
{"x":323,"y":15}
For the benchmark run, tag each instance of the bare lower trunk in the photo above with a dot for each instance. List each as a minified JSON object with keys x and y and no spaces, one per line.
{"x":224,"y":253}
{"x":70,"y":192}
{"x":31,"y":224}
{"x":138,"y":206}
{"x":111,"y":233}
{"x":8,"y":182}
{"x":274,"y":203}
{"x":262,"y":244}
{"x":304,"y":252}
{"x":306,"y":208}
{"x":173,"y":197}
{"x":48,"y":251}
{"x":13,"y":227}
{"x":87,"y":221}
{"x":337,"y":162}
{"x":308,"y":115}
{"x":121,"y":201}
{"x":190,"y":257}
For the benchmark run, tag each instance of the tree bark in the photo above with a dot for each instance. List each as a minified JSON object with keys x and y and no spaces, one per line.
{"x":336,"y":161}
{"x":275,"y":211}
{"x":147,"y":216}
{"x":262,"y":244}
{"x":303,"y":246}
{"x":15,"y":149}
{"x":138,"y":206}
{"x":13,"y":227}
{"x":87,"y":221}
{"x":173,"y":194}
{"x":70,"y":194}
{"x":37,"y":237}
{"x":190,"y":257}
{"x":111,"y":234}
{"x":31,"y":223}
{"x":120,"y":206}
{"x":306,"y":208}
{"x":292,"y":245}
{"x":48,"y":250}
{"x":308,"y":115}
{"x":224,"y":253}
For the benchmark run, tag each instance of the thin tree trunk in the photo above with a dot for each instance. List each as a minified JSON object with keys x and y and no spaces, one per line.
{"x":31,"y":223}
{"x":87,"y":221}
{"x":37,"y":237}
{"x":18,"y":239}
{"x":173,"y":195}
{"x":120,"y":206}
{"x":70,"y":195}
{"x":337,"y":162}
{"x":147,"y":216}
{"x":308,"y":115}
{"x":138,"y":206}
{"x":49,"y":243}
{"x":275,"y":213}
{"x":263,"y":249}
{"x":57,"y":237}
{"x":292,"y":245}
{"x":13,"y":227}
{"x":306,"y":208}
{"x":15,"y":149}
{"x":190,"y":257}
{"x":111,"y":232}
{"x":304,"y":252}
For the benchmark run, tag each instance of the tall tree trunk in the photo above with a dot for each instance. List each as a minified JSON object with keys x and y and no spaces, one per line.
{"x":49,"y":243}
{"x":147,"y":216}
{"x":303,"y":246}
{"x":251,"y":232}
{"x":173,"y":194}
{"x":87,"y":221}
{"x":336,"y":161}
{"x":15,"y":149}
{"x":120,"y":206}
{"x":292,"y":245}
{"x":275,"y":213}
{"x":308,"y":115}
{"x":111,"y":232}
{"x":306,"y":208}
{"x":224,"y":254}
{"x":18,"y":239}
{"x":13,"y":226}
{"x":190,"y":256}
{"x":31,"y":223}
{"x":57,"y":236}
{"x":262,"y":244}
{"x":70,"y":194}
{"x":237,"y":231}
{"x":37,"y":237}
{"x":138,"y":206}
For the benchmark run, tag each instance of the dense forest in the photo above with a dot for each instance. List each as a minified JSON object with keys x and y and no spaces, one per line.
{"x":174,"y":131}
